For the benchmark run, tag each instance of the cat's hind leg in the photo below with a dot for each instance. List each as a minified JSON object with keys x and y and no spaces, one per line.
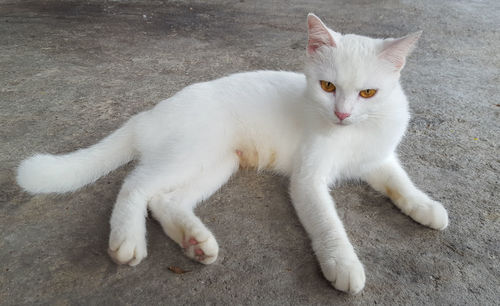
{"x":127,"y":240}
{"x":173,"y":208}
{"x":391,"y":179}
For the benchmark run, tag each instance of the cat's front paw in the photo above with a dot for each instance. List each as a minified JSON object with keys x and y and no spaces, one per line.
{"x":429,"y":213}
{"x":126,"y":248}
{"x":345,"y":273}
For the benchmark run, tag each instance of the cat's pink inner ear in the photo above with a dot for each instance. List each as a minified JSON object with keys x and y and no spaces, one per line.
{"x":395,"y":51}
{"x":318,"y":34}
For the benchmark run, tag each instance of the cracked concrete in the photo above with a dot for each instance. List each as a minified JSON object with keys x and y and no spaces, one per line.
{"x":71,"y":72}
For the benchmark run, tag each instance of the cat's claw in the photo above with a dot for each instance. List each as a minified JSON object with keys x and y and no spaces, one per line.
{"x":346,"y":275}
{"x":127,"y":250}
{"x":429,"y":213}
{"x":204,"y":251}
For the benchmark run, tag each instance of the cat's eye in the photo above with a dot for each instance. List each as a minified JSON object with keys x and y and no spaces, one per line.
{"x":367,"y":93}
{"x":327,"y":86}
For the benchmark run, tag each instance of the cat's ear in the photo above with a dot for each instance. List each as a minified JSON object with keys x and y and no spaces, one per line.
{"x":318,"y":34}
{"x":395,"y":51}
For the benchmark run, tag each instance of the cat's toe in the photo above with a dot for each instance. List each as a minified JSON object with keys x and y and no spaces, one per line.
{"x":127,"y":250}
{"x":431,"y":214}
{"x":346,"y":275}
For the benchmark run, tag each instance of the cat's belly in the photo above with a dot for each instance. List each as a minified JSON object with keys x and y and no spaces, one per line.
{"x":266,"y":153}
{"x":268,"y":142}
{"x":250,"y":157}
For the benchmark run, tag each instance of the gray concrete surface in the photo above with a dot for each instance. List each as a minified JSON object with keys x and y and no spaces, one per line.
{"x":71,"y":72}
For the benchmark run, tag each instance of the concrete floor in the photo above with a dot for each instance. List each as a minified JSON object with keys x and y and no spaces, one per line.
{"x":71,"y":72}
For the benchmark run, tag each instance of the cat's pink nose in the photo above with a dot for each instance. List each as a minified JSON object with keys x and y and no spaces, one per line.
{"x":341,"y":116}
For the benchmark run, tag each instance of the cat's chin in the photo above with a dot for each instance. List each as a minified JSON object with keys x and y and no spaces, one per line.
{"x":343,"y":123}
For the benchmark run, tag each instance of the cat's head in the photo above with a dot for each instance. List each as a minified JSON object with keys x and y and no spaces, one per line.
{"x":351,"y":77}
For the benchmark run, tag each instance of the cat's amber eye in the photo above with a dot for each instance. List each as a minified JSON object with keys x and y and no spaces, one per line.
{"x":367,"y":93}
{"x":327,"y":86}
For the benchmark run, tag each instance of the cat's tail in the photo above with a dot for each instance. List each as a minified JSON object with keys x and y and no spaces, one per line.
{"x":46,"y":173}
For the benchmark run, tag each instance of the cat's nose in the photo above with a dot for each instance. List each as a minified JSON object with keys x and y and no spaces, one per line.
{"x":341,"y":116}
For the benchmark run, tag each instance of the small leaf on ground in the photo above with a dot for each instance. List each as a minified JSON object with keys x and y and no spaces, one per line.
{"x":177,"y":270}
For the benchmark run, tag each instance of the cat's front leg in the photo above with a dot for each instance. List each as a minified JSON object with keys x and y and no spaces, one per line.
{"x":391,"y":179}
{"x":336,"y":255}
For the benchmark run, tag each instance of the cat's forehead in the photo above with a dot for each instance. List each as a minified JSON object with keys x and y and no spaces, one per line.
{"x":354,"y":60}
{"x":357,"y":45}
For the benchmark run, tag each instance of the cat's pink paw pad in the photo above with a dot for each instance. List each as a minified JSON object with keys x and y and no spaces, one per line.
{"x":187,"y":243}
{"x":199,"y":252}
{"x":199,"y":255}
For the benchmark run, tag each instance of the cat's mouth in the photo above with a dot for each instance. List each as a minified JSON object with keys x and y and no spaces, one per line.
{"x":343,"y":123}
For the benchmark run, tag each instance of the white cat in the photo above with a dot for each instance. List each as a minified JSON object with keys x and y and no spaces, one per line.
{"x":343,"y":118}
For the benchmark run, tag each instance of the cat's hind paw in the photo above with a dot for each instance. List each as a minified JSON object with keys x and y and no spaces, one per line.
{"x":202,"y":248}
{"x":429,"y":213}
{"x":129,"y":250}
{"x":346,"y":275}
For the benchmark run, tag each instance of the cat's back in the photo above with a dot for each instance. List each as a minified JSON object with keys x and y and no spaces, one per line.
{"x":256,"y":96}
{"x":284,"y":81}
{"x":258,"y":87}
{"x":252,"y":87}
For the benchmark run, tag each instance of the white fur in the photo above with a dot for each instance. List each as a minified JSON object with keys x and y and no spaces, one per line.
{"x":190,"y":144}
